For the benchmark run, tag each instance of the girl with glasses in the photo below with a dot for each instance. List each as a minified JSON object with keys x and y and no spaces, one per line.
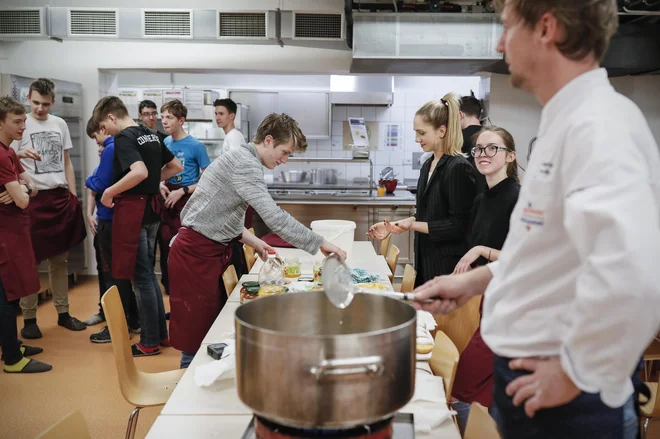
{"x":495,"y":157}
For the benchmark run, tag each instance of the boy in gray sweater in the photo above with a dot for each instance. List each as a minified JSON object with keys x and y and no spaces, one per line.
{"x":214,"y":217}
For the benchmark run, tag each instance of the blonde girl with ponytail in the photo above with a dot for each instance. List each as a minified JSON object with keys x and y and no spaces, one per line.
{"x":445,"y":192}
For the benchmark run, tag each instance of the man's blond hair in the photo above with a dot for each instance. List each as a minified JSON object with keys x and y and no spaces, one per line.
{"x":282,"y":128}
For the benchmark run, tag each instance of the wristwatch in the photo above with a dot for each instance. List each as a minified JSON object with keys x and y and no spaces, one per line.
{"x":29,"y":189}
{"x":186,"y":189}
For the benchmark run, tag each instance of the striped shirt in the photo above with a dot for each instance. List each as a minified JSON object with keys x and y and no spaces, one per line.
{"x":232,"y":182}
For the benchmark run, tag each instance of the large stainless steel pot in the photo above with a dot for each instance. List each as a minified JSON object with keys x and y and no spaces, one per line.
{"x":324,"y":176}
{"x":294,"y":176}
{"x":302,"y":362}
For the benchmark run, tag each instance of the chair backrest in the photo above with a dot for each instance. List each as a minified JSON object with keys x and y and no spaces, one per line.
{"x":409,"y":276}
{"x":230,"y":279}
{"x":393,"y":258}
{"x":480,"y":425}
{"x":127,"y":371}
{"x":249,"y":256}
{"x":385,"y":245}
{"x":461,"y":323}
{"x":73,"y":426}
{"x":444,"y":360}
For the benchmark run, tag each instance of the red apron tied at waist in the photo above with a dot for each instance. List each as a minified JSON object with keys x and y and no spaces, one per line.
{"x":18,"y":266}
{"x":57,"y":222}
{"x":197,"y":295}
{"x":126,"y":226}
{"x":170,"y":219}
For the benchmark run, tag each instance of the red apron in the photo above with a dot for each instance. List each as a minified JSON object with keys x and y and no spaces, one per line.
{"x":57,"y":222}
{"x":18,"y":267}
{"x":126,"y":225}
{"x":197,"y":294}
{"x":170,"y":219}
{"x":474,"y":375}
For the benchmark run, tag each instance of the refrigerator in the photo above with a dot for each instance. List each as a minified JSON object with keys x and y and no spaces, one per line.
{"x":69,"y":106}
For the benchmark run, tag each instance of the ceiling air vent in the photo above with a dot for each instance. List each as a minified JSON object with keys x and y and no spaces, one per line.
{"x":242,"y":25}
{"x":318,"y":26}
{"x":86,"y":22}
{"x":168,"y":24}
{"x":20,"y":22}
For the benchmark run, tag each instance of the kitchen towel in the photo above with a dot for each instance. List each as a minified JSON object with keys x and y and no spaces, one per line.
{"x":428,"y":404}
{"x":222,"y":369}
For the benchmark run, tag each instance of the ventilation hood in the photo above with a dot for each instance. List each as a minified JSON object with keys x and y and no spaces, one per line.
{"x":424,"y":43}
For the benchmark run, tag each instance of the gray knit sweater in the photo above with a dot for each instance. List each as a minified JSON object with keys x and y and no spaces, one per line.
{"x":232,"y":182}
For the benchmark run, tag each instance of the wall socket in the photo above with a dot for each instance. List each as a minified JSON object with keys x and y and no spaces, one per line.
{"x":416,"y":156}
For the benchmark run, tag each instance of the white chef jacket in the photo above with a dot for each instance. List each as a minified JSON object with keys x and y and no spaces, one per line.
{"x":578,"y":274}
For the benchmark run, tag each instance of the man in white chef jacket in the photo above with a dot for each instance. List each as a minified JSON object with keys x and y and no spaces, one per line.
{"x":575,"y":296}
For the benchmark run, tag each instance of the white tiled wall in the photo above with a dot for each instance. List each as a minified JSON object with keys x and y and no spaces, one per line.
{"x":401,"y":112}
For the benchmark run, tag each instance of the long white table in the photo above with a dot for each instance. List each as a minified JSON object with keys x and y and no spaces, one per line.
{"x":216,"y":411}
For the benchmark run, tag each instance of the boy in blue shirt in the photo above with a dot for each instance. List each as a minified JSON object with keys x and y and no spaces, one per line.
{"x":177,"y":190}
{"x":101,"y":226}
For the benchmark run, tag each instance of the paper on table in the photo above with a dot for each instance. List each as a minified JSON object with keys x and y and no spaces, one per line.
{"x":428,"y":404}
{"x":222,"y":369}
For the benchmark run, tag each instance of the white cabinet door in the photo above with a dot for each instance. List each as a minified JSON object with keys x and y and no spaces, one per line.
{"x":261,"y":104}
{"x":310,"y":109}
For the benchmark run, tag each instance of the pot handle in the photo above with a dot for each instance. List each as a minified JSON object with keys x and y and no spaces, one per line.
{"x":370,"y":366}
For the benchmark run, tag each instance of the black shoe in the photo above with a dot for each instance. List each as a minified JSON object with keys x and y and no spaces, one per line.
{"x":72,"y":324}
{"x":101,"y":337}
{"x":31,"y":332}
{"x":167,"y":316}
{"x":27,"y":351}
{"x":139,"y":351}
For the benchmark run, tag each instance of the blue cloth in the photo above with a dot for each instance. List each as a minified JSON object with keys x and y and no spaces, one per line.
{"x":584,"y":417}
{"x":101,"y":178}
{"x":192,"y":155}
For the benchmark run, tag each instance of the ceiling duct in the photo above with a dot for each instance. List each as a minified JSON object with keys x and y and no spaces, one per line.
{"x":22,"y":22}
{"x":93,"y":22}
{"x":314,"y":29}
{"x":167,"y":23}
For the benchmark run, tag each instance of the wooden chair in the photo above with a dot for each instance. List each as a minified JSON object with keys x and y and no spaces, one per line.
{"x":385,"y":245}
{"x":138,"y":388}
{"x":250,"y":256}
{"x":73,"y":426}
{"x":480,"y":425}
{"x":651,"y":354}
{"x":444,"y":361}
{"x":461,"y":323}
{"x":392,"y":260}
{"x":230,"y":279}
{"x":652,"y":408}
{"x":409,"y":276}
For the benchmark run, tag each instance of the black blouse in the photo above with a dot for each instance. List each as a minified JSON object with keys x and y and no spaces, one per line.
{"x":491,"y":214}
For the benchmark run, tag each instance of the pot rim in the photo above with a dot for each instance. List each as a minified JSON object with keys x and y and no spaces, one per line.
{"x":273,"y":332}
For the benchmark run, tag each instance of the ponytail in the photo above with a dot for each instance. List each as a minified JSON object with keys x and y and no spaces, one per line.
{"x":445,"y":112}
{"x":512,"y":170}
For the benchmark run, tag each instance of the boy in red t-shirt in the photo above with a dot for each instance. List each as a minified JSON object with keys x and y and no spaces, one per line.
{"x":18,"y":267}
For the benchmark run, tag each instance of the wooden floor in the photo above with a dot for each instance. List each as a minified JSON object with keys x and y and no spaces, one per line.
{"x":83,"y":378}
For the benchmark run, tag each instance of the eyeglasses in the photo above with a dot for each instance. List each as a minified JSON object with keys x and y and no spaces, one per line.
{"x":489,"y":151}
{"x":150,"y":115}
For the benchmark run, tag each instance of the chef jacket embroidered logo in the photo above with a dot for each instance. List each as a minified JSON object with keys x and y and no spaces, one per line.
{"x":533,"y":217}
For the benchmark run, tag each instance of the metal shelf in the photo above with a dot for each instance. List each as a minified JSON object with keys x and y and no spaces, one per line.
{"x":327,"y":160}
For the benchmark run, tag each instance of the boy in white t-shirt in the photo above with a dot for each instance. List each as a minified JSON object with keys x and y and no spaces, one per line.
{"x":225,"y":113}
{"x":55,"y":212}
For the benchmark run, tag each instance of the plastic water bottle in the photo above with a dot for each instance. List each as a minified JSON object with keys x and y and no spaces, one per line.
{"x":272,"y":272}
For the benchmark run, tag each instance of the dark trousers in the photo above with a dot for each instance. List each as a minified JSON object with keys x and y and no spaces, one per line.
{"x":238,"y":259}
{"x":103,"y":248}
{"x":11,"y":347}
{"x":164,"y":249}
{"x":584,"y":417}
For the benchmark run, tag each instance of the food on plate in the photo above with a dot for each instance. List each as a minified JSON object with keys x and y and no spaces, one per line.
{"x":373,"y":286}
{"x":269,"y":290}
{"x":425,"y":324}
{"x":424,"y":346}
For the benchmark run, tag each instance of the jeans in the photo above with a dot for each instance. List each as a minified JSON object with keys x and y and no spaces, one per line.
{"x":147,"y":290}
{"x":11,"y":347}
{"x":103,"y":247}
{"x":164,"y":252}
{"x":186,"y":359}
{"x":463,"y":411}
{"x":584,"y":417}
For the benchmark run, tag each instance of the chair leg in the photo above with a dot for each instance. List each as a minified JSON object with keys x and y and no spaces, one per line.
{"x":646,"y":427}
{"x":132,"y":423}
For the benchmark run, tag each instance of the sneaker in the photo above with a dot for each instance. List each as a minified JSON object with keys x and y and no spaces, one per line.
{"x":101,"y":337}
{"x":142,"y":351}
{"x":95,"y":320}
{"x":134,"y":330}
{"x":166,"y":343}
{"x":31,"y":331}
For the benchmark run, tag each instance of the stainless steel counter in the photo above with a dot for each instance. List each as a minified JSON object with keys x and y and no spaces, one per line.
{"x":341,"y":197}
